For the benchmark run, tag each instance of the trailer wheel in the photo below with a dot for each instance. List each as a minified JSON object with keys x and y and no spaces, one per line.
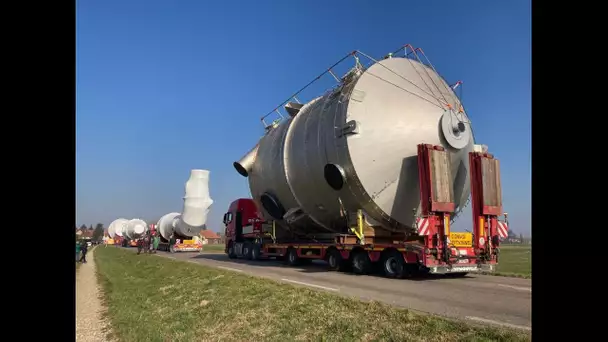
{"x":292,"y":257}
{"x":255,"y":252}
{"x":247,"y":251}
{"x":231,"y":253}
{"x":335,"y":261}
{"x":393,"y":265}
{"x":361,"y":263}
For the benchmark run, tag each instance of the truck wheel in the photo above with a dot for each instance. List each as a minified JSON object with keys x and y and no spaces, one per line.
{"x":292,"y":257}
{"x":393,"y":265}
{"x":255,"y":252}
{"x":231,"y":253}
{"x":334,"y":260}
{"x":247,"y":251}
{"x":361,"y":263}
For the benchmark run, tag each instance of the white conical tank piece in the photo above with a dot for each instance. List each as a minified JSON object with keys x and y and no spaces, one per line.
{"x":116,"y":227}
{"x":135,"y":228}
{"x":197,"y":203}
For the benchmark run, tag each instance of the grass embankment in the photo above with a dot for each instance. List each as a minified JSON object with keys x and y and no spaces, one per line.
{"x":214,"y":248}
{"x":151,"y":298}
{"x":515,"y":261}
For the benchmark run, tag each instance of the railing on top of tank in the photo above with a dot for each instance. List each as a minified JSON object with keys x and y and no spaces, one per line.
{"x":413,"y":53}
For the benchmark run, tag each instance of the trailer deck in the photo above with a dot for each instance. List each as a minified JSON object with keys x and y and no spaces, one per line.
{"x":431,"y":248}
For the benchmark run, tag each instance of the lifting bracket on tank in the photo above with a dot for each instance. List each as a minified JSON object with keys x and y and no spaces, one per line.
{"x":358,"y":229}
{"x":273,"y":234}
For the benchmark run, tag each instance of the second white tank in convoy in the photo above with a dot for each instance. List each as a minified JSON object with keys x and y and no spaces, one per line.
{"x":135,"y":228}
{"x":131,"y":229}
{"x":117,"y":227}
{"x":356,"y":148}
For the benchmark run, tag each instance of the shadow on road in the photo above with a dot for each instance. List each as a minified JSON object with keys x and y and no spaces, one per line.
{"x":315,"y":266}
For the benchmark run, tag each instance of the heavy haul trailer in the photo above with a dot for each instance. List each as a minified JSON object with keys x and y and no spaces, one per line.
{"x":126,"y":242}
{"x":182,"y":244}
{"x":434,"y":249}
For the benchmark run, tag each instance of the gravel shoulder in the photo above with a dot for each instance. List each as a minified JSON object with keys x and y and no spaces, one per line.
{"x":90,"y":325}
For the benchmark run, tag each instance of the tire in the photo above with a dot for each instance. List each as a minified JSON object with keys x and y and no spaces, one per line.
{"x":255,"y":252}
{"x":247,"y":251}
{"x":393,"y":265}
{"x":335,"y":262}
{"x":361,"y":263}
{"x":292,"y":257}
{"x":231,"y":253}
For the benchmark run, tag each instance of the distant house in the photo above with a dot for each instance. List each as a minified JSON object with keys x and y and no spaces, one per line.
{"x":210,"y":237}
{"x":84,"y":233}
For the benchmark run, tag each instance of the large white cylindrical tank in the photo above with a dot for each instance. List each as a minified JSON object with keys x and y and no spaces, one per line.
{"x":197,"y":203}
{"x":356,"y":147}
{"x":135,"y":228}
{"x":116,"y":227}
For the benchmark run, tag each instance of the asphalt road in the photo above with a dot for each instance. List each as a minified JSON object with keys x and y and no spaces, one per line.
{"x":477,"y":298}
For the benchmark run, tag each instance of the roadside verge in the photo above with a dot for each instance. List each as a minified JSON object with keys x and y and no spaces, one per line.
{"x":182,"y":301}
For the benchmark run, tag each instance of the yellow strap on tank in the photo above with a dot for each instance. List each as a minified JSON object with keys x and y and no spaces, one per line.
{"x":358,"y":230}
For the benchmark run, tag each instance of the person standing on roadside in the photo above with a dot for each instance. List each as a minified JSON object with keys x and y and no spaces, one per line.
{"x":83,"y":249}
{"x":172,"y":242}
{"x":156,"y":242}
{"x":77,"y":250}
{"x":150,"y":242}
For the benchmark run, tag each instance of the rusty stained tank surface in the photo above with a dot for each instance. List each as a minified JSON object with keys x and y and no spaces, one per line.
{"x":356,"y":148}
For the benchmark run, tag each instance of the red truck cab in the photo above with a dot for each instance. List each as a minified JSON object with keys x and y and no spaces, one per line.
{"x":243,"y":222}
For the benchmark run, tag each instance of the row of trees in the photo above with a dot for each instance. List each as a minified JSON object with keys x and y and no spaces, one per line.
{"x":97,"y":231}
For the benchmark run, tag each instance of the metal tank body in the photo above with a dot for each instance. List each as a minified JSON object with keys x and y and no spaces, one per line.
{"x":135,"y":228}
{"x":116,"y":227}
{"x":356,"y":148}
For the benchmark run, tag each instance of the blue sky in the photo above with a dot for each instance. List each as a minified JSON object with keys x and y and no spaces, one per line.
{"x":163,"y":87}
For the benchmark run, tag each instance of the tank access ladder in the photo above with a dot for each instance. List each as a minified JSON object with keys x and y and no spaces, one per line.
{"x":436,"y":199}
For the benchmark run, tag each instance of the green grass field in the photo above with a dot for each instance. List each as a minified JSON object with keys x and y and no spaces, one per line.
{"x":515,"y":260}
{"x":151,"y":298}
{"x":214,"y":248}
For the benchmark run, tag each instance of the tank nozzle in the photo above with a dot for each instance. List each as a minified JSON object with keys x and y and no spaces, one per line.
{"x":459,"y":127}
